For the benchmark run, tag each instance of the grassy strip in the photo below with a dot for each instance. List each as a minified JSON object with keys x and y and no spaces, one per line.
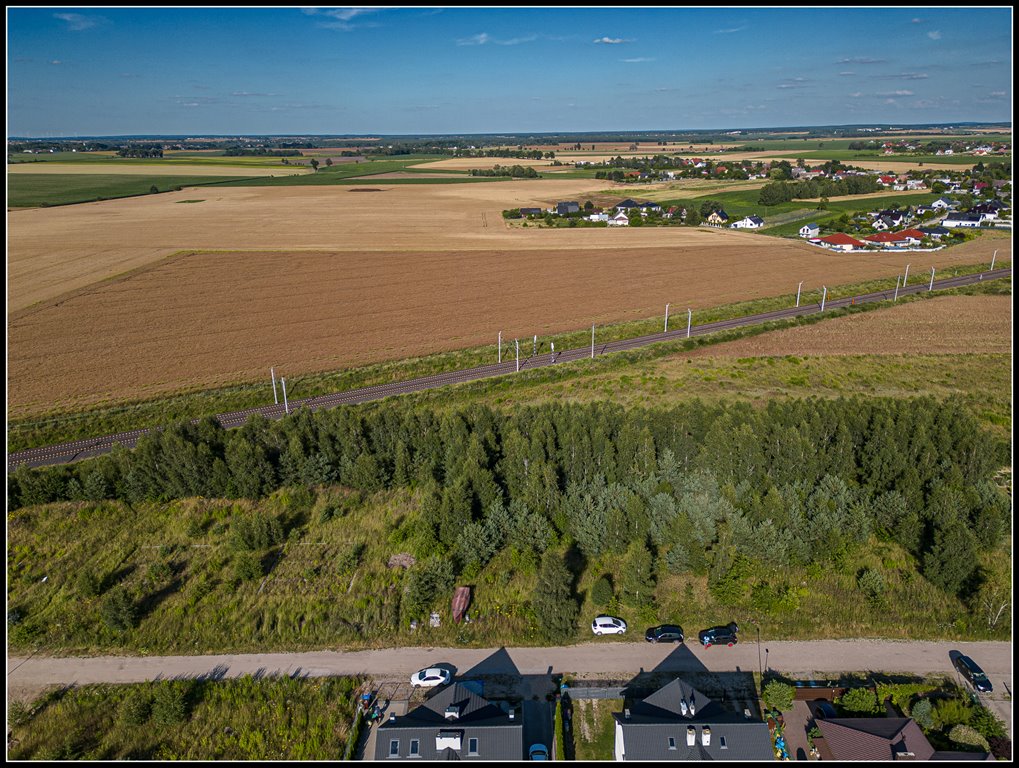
{"x":28,"y":190}
{"x":61,"y":427}
{"x":594,"y":728}
{"x":560,"y":736}
{"x":236,"y":719}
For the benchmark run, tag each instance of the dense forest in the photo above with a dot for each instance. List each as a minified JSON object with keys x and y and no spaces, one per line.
{"x":709,"y":490}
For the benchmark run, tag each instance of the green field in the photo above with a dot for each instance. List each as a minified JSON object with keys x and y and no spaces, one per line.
{"x":28,"y":190}
{"x":849,"y":155}
{"x":169,"y":159}
{"x":233,"y":719}
{"x":61,"y":426}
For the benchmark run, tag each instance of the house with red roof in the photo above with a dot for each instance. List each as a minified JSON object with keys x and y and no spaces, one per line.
{"x":841,"y":242}
{"x":887,"y":180}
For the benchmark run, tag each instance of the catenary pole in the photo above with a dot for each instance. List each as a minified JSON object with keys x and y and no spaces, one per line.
{"x":905,"y":277}
{"x":666,"y":318}
{"x":896,"y":296}
{"x":798,"y":287}
{"x":931,"y":286}
{"x":275,"y":397}
{"x":286,"y":406}
{"x":689,"y":320}
{"x":824,"y":296}
{"x":517,"y":342}
{"x":592,"y":341}
{"x":993,"y":257}
{"x":500,"y":346}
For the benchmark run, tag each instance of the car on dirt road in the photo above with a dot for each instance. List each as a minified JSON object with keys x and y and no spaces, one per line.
{"x":724,"y":635}
{"x":973,"y":674}
{"x":666,"y":633}
{"x":430,"y":677}
{"x":608,"y":625}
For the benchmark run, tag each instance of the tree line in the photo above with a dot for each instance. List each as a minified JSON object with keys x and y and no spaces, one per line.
{"x":719,"y":490}
{"x":514,"y":171}
{"x":784,"y":191}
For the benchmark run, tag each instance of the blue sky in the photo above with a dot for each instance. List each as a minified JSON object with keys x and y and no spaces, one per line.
{"x":201,"y":71}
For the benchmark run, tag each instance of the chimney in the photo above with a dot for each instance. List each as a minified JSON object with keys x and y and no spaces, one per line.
{"x":693,"y":711}
{"x":392,"y":717}
{"x":683,"y":707}
{"x":512,"y":714}
{"x":691,"y":736}
{"x":706,"y":736}
{"x":626,"y":713}
{"x":452,"y":712}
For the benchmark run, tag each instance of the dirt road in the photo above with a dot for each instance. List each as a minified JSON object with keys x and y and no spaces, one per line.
{"x":819,"y":660}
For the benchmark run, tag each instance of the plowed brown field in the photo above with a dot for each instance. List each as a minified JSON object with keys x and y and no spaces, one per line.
{"x":203,"y":320}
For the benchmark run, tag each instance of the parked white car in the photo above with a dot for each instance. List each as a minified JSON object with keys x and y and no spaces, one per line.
{"x":431,"y":677}
{"x":608,"y":625}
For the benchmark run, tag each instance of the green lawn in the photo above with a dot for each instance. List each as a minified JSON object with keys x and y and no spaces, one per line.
{"x":594,"y":729}
{"x":27,"y":190}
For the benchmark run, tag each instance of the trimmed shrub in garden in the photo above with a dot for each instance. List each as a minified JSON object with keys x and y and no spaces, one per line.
{"x":779,"y":695}
{"x":963,"y":734}
{"x":861,"y":700}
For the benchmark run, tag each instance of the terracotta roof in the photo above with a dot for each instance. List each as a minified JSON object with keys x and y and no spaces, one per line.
{"x":885,"y":237}
{"x":915,"y":233}
{"x":840,"y":238}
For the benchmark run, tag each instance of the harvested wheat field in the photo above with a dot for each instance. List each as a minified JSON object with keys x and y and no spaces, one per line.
{"x":210,"y":319}
{"x":947,"y":325}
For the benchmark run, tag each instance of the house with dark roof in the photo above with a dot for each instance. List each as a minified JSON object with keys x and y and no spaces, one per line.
{"x":967,"y":220}
{"x":568,"y":207}
{"x":627,"y":203}
{"x":935,"y":233}
{"x":749,"y":222}
{"x":678,"y":722}
{"x":810,"y":230}
{"x":944,"y":203}
{"x":531,"y":212}
{"x":454,"y":724}
{"x":717,"y":218}
{"x":881,"y":738}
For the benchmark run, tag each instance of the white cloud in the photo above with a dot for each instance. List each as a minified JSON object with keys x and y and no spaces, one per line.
{"x":861,"y":60}
{"x":77,"y":22}
{"x":729,"y":31}
{"x":998,"y":94}
{"x":638,"y":60}
{"x":341,"y":17}
{"x":918,"y":21}
{"x":517,"y":40}
{"x":56,"y":62}
{"x":479,"y":39}
{"x":612,"y":40}
{"x":934,"y":35}
{"x":855,"y":95}
{"x":896,"y":93}
{"x":846,"y":74}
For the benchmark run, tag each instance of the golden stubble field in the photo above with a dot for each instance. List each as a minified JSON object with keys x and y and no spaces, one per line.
{"x":211,"y":319}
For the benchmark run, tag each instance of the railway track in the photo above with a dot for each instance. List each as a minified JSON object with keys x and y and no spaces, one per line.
{"x":80,"y":449}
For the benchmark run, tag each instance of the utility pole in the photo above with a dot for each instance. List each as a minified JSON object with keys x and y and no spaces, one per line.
{"x":286,"y":406}
{"x":824,"y":296}
{"x":534,"y":352}
{"x":666,"y":318}
{"x":798,"y":287}
{"x":905,"y":277}
{"x":517,"y":341}
{"x":275,"y":397}
{"x":931,"y":287}
{"x":993,"y":257}
{"x":592,"y":341}
{"x":896,"y":296}
{"x":500,"y":346}
{"x":689,"y":320}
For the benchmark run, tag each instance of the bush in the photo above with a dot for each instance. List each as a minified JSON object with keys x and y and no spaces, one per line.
{"x":136,"y":708}
{"x":923,"y":713}
{"x":859,"y":700}
{"x":779,"y":695}
{"x":118,"y":610}
{"x":963,"y":734}
{"x":247,"y":567}
{"x":986,"y":723}
{"x":871,"y":583}
{"x":169,"y":705}
{"x":88,"y":584}
{"x":601,"y":592}
{"x":560,"y":736}
{"x":953,"y":712}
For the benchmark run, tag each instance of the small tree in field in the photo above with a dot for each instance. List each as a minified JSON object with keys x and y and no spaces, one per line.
{"x":314,"y":163}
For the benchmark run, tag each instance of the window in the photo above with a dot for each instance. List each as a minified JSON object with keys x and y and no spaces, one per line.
{"x":721,"y":742}
{"x":472,"y":747}
{"x":394,"y":748}
{"x":672,"y":742}
{"x":415,"y":748}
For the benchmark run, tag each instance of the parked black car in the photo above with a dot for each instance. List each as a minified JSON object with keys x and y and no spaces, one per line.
{"x":976,"y":677}
{"x":719,"y":635}
{"x":666,"y":633}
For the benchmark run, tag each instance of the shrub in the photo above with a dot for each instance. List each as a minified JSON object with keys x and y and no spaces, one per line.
{"x":88,"y":584}
{"x":257,"y":531}
{"x":953,"y":712}
{"x":923,"y":713}
{"x":859,"y":700}
{"x":871,"y":583}
{"x":247,"y":566}
{"x":963,"y":734}
{"x":136,"y":707}
{"x":118,"y":610}
{"x":601,"y":592}
{"x":779,"y":695}
{"x":18,"y":713}
{"x":169,"y":704}
{"x":986,"y":723}
{"x":560,"y":736}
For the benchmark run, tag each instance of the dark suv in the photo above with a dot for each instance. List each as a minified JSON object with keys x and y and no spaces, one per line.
{"x":719,"y":635}
{"x":667,"y":633}
{"x":976,"y":677}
